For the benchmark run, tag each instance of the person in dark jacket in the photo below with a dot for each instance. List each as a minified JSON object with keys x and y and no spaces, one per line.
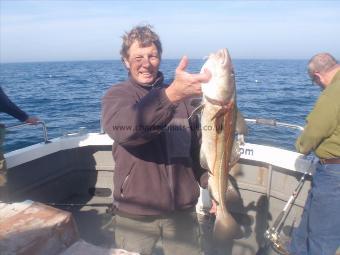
{"x":156,"y":150}
{"x":7,"y":106}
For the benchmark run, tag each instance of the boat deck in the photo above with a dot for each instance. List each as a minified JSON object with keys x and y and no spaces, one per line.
{"x":77,"y":176}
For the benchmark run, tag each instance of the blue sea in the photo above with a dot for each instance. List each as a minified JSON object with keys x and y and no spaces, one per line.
{"x":67,"y":96}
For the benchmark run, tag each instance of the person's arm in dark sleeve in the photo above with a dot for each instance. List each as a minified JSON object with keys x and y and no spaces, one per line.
{"x":7,"y":106}
{"x":132,"y":123}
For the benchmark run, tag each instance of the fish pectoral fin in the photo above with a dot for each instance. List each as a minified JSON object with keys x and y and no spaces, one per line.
{"x":241,"y":125}
{"x":223,"y":110}
{"x":240,"y":139}
{"x":235,"y":153}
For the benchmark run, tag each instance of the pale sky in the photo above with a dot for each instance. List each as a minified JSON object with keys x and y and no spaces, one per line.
{"x":54,"y":30}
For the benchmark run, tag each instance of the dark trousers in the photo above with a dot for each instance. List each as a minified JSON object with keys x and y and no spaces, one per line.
{"x":179,"y":234}
{"x":319,"y":229}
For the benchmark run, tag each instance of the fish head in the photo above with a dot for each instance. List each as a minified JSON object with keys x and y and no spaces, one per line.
{"x":221,"y":86}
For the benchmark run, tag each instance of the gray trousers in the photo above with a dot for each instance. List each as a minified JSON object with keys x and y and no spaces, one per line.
{"x":179,"y":234}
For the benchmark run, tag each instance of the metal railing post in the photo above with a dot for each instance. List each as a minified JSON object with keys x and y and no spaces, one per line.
{"x":27,"y":124}
{"x":272,"y":122}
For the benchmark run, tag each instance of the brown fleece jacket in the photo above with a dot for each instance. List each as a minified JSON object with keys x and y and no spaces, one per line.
{"x":156,"y":149}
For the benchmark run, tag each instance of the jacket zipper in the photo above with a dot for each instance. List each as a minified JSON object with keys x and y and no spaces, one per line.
{"x":171,"y":185}
{"x":124,"y":183}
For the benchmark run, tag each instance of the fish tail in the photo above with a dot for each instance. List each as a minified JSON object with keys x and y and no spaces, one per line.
{"x":226,"y":228}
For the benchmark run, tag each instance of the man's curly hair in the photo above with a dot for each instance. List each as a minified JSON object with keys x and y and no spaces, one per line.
{"x":144,"y":35}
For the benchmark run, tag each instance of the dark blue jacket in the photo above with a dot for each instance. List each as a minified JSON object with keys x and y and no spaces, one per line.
{"x":7,"y":106}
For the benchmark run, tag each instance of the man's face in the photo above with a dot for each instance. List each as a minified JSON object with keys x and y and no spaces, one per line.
{"x":318,"y":79}
{"x":143,"y":63}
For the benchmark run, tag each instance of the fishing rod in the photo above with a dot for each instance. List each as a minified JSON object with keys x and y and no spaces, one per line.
{"x":273,"y":233}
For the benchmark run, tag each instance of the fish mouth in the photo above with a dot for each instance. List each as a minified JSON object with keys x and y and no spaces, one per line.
{"x":224,"y":55}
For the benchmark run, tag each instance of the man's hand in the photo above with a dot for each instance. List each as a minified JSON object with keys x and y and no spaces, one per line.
{"x":32,"y":120}
{"x":186,"y":84}
{"x":213,"y":208}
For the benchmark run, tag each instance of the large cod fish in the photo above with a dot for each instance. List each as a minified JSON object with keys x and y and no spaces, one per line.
{"x":219,"y":121}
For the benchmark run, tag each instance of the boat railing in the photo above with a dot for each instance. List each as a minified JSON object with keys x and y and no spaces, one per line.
{"x":42,"y":123}
{"x":273,"y":122}
{"x":258,"y":121}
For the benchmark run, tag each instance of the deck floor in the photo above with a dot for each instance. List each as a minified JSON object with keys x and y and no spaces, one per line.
{"x":96,"y":226}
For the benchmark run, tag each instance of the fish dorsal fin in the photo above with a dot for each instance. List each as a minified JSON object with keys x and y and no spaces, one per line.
{"x":235,"y":153}
{"x":241,"y":125}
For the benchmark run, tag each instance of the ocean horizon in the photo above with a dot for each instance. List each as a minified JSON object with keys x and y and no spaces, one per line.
{"x":163,"y":59}
{"x":66,"y":95}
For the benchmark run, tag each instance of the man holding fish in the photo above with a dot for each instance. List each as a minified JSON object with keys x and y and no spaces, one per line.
{"x":157,"y":150}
